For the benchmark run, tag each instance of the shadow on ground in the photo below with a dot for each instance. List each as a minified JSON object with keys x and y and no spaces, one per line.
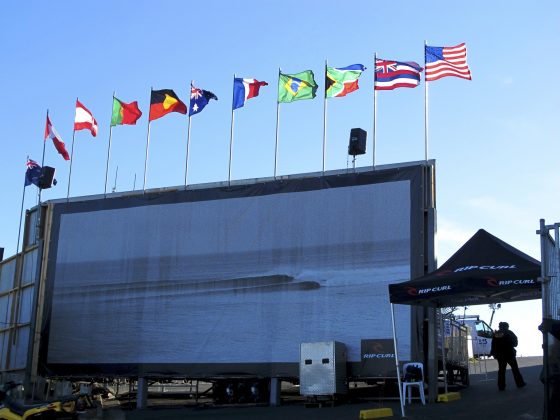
{"x":480,"y":401}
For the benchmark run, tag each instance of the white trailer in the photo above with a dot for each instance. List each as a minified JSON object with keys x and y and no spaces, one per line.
{"x":479,"y":336}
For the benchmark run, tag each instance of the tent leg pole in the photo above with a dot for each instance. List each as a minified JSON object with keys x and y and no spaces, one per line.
{"x":443,"y":366}
{"x":432,"y":358}
{"x":397,"y":359}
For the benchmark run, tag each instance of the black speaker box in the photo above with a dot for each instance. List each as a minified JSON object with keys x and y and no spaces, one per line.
{"x":47,"y":177}
{"x":357,"y":144}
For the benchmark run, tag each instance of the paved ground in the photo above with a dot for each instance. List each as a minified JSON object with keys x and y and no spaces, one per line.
{"x":480,"y":401}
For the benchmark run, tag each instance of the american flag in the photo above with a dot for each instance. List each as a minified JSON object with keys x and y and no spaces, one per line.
{"x":447,"y":61}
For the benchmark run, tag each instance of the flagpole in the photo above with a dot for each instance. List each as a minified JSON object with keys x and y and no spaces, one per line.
{"x":39,"y":189}
{"x":425,"y":107}
{"x":231,"y":132}
{"x":374,"y":133}
{"x":188,"y":147}
{"x":42,"y":164}
{"x":21,"y":211}
{"x":277,"y":127}
{"x":109,"y":147}
{"x":147,"y":145}
{"x":188,"y":139}
{"x":71,"y":155}
{"x":325,"y":119}
{"x":44,"y":143}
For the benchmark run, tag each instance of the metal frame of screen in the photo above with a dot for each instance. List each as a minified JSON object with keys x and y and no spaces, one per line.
{"x":68,"y":336}
{"x":19,"y":276}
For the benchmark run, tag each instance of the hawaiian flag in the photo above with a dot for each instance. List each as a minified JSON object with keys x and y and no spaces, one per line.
{"x":391,"y":74}
{"x":244,"y":89}
{"x":447,"y":61}
{"x":51,"y":133}
{"x":199,"y":99}
{"x":33,"y":173}
{"x":84,"y":119}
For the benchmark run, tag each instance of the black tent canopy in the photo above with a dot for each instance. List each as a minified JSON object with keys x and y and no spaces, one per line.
{"x":484,"y":270}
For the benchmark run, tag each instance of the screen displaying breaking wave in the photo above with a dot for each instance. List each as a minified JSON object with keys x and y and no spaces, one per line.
{"x":238,"y":280}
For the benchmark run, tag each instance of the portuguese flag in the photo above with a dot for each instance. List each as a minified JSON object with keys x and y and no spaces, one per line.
{"x":124,"y":113}
{"x":163,"y":102}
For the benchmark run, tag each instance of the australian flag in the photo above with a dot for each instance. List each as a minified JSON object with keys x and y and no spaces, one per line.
{"x":33,"y":173}
{"x":199,"y":99}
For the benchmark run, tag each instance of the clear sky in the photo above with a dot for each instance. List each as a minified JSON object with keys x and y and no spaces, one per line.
{"x":495,"y":138}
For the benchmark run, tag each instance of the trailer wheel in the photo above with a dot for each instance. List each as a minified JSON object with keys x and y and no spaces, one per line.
{"x":450,"y":375}
{"x":465,"y":377}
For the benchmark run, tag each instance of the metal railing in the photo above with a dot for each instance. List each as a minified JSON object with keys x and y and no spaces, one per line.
{"x":550,"y":279}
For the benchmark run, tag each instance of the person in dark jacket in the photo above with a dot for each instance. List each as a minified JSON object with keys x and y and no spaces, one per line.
{"x":503,"y":350}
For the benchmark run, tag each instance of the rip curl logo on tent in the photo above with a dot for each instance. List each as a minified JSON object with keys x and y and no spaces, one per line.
{"x":517,"y":282}
{"x":435,"y":289}
{"x":485,"y":267}
{"x":415,"y":292}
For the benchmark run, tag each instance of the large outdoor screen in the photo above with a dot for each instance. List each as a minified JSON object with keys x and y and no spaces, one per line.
{"x":230,"y":276}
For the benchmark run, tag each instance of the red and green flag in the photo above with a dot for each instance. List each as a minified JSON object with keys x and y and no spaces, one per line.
{"x":124,"y":113}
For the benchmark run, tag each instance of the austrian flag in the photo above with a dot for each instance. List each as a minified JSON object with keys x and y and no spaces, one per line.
{"x":84,"y":119}
{"x":51,"y":133}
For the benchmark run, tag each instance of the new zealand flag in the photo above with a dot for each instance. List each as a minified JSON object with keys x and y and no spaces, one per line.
{"x":33,"y":173}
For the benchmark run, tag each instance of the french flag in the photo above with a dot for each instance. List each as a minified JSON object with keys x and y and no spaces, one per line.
{"x":244,"y":89}
{"x":84,"y":119}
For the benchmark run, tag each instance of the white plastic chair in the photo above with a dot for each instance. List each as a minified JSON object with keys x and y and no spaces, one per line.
{"x":418,"y":383}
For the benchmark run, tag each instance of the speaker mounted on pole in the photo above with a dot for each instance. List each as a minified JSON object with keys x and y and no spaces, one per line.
{"x":46,"y":179}
{"x":357,"y":143}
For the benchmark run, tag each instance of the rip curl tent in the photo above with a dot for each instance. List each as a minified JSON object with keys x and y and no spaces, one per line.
{"x":484,"y":270}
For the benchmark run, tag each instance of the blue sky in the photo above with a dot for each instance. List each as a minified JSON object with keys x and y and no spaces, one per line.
{"x":495,"y":138}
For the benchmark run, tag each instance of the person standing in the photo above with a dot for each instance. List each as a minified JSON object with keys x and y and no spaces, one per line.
{"x":503,"y":350}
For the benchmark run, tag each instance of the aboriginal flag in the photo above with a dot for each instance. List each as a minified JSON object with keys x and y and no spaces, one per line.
{"x":163,"y":102}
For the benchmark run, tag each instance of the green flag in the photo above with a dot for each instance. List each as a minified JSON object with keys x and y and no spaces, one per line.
{"x":343,"y":80}
{"x":295,"y":87}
